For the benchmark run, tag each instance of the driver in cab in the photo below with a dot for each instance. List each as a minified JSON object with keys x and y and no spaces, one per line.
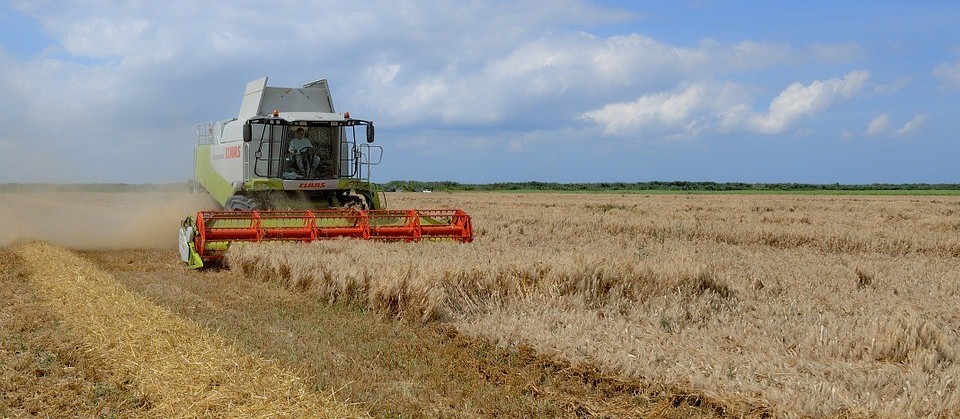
{"x":302,"y":150}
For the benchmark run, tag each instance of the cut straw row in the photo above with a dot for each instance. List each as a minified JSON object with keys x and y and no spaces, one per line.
{"x":182,"y":370}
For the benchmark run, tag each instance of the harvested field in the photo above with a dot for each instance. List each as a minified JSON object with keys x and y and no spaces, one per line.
{"x":42,"y":373}
{"x":179,"y":369}
{"x":87,"y":315}
{"x":565,"y":305}
{"x":391,"y":368}
{"x":806,"y":305}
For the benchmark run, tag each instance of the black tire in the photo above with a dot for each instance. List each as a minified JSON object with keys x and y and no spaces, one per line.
{"x":356,"y":201}
{"x":241,"y":203}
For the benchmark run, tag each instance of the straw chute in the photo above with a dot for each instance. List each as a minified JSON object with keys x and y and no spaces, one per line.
{"x":209,"y":236}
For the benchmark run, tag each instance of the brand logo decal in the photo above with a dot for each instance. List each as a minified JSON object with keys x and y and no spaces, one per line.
{"x":233,"y":152}
{"x":313,"y":184}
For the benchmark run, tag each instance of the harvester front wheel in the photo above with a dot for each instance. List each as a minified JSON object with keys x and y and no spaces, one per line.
{"x":355,"y":200}
{"x":241,"y":203}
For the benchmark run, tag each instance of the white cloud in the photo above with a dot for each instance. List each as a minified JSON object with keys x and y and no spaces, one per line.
{"x":725,"y":109}
{"x":949,"y":75}
{"x":620,"y":59}
{"x":912,"y":126}
{"x":878,"y":126}
{"x":384,"y":74}
{"x":567,"y":72}
{"x":798,"y":101}
{"x":658,"y":113}
{"x":795,"y":102}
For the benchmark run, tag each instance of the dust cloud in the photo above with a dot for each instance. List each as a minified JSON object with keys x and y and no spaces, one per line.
{"x":98,"y":220}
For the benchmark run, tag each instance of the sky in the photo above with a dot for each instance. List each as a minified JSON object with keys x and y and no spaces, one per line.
{"x":498,"y":91}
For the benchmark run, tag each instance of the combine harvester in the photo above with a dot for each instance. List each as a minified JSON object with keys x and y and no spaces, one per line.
{"x":289,"y":168}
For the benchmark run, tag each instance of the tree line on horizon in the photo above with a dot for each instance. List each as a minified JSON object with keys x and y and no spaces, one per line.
{"x":416,"y":186}
{"x":413,"y":185}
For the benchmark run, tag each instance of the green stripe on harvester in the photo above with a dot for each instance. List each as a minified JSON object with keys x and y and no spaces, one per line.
{"x":220,"y":188}
{"x":263,"y":184}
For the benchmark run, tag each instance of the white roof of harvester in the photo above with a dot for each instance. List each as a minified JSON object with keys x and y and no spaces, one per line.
{"x":312,"y":102}
{"x":310,"y":116}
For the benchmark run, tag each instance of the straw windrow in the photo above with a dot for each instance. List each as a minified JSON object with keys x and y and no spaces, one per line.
{"x":181,"y":370}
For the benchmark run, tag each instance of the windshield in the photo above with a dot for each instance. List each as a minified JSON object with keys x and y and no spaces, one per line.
{"x":311,"y":153}
{"x":306,"y":149}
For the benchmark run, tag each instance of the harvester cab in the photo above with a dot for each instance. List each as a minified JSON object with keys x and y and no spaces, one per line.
{"x":289,"y":167}
{"x":288,"y":148}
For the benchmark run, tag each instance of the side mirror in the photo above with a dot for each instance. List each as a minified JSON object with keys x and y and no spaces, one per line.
{"x":247,"y":133}
{"x":370,"y":132}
